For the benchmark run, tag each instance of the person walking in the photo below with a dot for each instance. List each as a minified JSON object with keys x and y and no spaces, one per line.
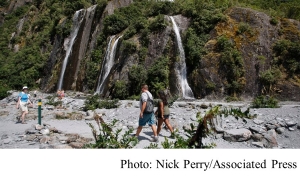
{"x":163,"y":113}
{"x":144,"y":117}
{"x":23,"y":101}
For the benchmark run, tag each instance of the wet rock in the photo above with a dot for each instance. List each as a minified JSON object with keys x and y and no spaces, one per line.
{"x":237,"y":134}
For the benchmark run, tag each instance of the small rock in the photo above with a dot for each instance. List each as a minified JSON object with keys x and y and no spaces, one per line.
{"x":257,"y":129}
{"x":7,"y":141}
{"x":257,"y":137}
{"x":237,"y":134}
{"x":30,"y":137}
{"x":270,"y":126}
{"x":204,"y":106}
{"x":62,"y":147}
{"x":298,"y":126}
{"x":54,"y":130}
{"x":50,"y":107}
{"x":258,"y":121}
{"x":258,"y":144}
{"x":30,"y":131}
{"x":5,"y":136}
{"x":280,"y":130}
{"x":194,"y":117}
{"x":290,"y":123}
{"x":39,"y":127}
{"x":76,"y":145}
{"x":45,"y":131}
{"x":182,"y":104}
{"x":218,"y":136}
{"x":291,"y":129}
{"x":44,"y":139}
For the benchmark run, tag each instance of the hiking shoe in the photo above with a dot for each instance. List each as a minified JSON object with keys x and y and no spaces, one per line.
{"x":154,"y":139}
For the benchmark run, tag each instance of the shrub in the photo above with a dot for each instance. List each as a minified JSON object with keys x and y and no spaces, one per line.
{"x":273,"y":21}
{"x":120,"y":90}
{"x":158,"y":23}
{"x":243,"y":27}
{"x":94,"y":102}
{"x":108,"y":137}
{"x":137,"y":77}
{"x":158,"y":75}
{"x":265,"y":102}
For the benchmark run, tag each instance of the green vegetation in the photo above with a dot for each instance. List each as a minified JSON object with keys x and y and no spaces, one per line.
{"x":108,"y":137}
{"x":231,"y":61}
{"x":95,"y":101}
{"x":25,"y":51}
{"x":265,"y":102}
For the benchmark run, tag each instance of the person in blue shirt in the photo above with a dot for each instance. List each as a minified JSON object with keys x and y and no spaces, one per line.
{"x":23,"y":101}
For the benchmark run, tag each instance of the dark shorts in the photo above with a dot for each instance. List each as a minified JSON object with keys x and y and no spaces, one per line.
{"x":147,"y":118}
{"x":165,"y":116}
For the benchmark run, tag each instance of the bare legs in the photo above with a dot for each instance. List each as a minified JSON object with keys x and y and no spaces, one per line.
{"x":167,"y":122}
{"x":23,"y":116}
{"x":139,"y":129}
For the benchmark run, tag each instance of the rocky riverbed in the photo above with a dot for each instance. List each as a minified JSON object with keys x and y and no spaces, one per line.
{"x":66,"y":126}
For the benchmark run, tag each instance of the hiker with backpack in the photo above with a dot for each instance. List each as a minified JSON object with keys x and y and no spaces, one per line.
{"x":146,"y":113}
{"x":23,"y":101}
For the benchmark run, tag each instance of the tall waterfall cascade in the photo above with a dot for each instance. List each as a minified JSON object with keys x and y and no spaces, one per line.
{"x":108,"y":62}
{"x":77,"y":20}
{"x":180,"y":67}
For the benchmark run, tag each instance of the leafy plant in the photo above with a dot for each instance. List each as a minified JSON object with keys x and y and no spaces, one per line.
{"x":108,"y":137}
{"x":265,"y":102}
{"x":94,"y":102}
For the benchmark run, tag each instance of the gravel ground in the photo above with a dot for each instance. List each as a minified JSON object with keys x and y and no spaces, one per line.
{"x":182,"y":114}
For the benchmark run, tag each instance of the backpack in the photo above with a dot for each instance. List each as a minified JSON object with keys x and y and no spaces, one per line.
{"x":149,"y":105}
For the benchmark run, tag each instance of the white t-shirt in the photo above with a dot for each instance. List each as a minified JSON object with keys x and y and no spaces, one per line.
{"x":144,"y":97}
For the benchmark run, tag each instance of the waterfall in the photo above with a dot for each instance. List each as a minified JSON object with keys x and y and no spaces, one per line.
{"x":180,"y":66}
{"x":77,"y":20}
{"x":108,"y":62}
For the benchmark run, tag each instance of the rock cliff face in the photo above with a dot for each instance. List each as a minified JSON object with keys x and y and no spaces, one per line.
{"x":209,"y":80}
{"x":256,"y":51}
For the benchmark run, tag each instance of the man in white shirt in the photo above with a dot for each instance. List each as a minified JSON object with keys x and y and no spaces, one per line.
{"x":145,"y":118}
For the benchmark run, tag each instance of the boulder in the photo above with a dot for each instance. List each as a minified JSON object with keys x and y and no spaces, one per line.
{"x":270,"y":140}
{"x":290,"y":123}
{"x":76,"y":145}
{"x":280,"y":130}
{"x":237,"y":135}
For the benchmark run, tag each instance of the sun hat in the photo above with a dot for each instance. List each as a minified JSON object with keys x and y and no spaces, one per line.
{"x":25,"y":87}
